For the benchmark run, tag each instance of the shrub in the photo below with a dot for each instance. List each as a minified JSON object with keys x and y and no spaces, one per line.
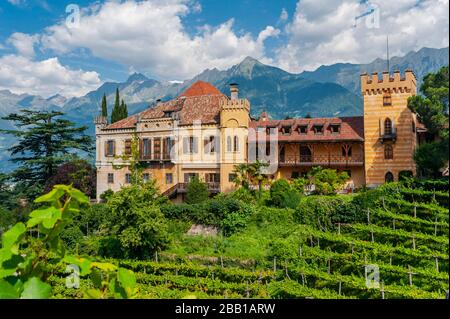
{"x":196,"y":191}
{"x":282,"y":195}
{"x":327,"y":181}
{"x":106,"y":195}
{"x":283,"y":250}
{"x":137,"y":221}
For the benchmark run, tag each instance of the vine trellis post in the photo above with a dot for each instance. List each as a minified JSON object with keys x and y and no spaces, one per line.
{"x":382,"y":290}
{"x":393,"y":223}
{"x":368,"y":216}
{"x":435,"y":226}
{"x":415,"y":211}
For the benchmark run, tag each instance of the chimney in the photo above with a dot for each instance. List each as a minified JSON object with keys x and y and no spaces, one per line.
{"x":264,"y":116}
{"x":234,"y":88}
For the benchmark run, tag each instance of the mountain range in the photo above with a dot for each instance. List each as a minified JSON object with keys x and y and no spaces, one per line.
{"x":332,"y":90}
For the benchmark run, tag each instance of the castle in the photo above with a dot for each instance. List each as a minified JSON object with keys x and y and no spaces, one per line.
{"x":204,"y":133}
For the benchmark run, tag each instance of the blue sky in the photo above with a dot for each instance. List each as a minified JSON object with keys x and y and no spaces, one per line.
{"x":176,"y":39}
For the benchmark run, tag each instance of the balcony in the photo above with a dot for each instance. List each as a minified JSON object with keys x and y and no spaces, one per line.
{"x":181,"y":188}
{"x":388,"y":137}
{"x":155,"y":157}
{"x":322,"y":160}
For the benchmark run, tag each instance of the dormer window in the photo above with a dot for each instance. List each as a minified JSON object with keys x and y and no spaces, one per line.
{"x":168,"y":114}
{"x":286,"y":130}
{"x":335,"y":128}
{"x":387,"y":99}
{"x":270,"y":130}
{"x":318,"y":129}
{"x":303,"y":129}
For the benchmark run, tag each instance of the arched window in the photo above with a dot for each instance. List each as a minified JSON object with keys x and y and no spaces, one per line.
{"x":236,"y":144}
{"x":388,"y":151}
{"x":387,"y":126}
{"x":305,"y":154}
{"x":389,"y":177}
{"x":229,"y":146}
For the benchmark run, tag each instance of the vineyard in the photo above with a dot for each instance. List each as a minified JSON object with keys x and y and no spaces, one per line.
{"x":397,"y":232}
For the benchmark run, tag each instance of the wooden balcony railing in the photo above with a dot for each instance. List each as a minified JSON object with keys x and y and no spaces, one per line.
{"x":182,"y":187}
{"x":308,"y":160}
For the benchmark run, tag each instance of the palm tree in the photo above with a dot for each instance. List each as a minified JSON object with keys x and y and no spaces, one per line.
{"x":251,"y":174}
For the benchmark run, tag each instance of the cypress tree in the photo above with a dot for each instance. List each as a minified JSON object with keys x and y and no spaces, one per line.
{"x":104,"y":107}
{"x":115,"y":116}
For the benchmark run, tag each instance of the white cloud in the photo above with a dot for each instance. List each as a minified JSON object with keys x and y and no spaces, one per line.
{"x":23,"y":43}
{"x":150,"y":36}
{"x":20,"y":74}
{"x":323,"y":32}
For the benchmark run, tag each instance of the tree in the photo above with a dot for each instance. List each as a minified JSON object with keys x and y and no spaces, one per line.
{"x":136,"y":220}
{"x":432,"y":110}
{"x":104,"y":107}
{"x":196,"y":191}
{"x":283,"y":195}
{"x":79,"y":173}
{"x":120,"y":110}
{"x":45,"y":141}
{"x":251,"y":174}
{"x":327,"y":181}
{"x":123,"y":110}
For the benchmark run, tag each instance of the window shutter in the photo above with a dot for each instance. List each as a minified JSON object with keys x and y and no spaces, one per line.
{"x":195,"y":145}
{"x":106,"y":149}
{"x":206,"y":145}
{"x":114,"y":148}
{"x":185,"y":145}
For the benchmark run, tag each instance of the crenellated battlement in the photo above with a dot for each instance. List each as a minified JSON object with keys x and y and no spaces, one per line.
{"x":235,"y":104}
{"x":372,"y":84}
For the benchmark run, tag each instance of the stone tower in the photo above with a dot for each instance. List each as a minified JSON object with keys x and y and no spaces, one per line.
{"x":389,"y":126}
{"x":234,"y":123}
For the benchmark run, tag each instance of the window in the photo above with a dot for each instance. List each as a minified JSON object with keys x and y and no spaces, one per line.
{"x":231,"y":178}
{"x":229,"y":146}
{"x":268,"y":149}
{"x":270,"y":130}
{"x":346,"y":151}
{"x":388,"y":152}
{"x":318,"y":129}
{"x":389,"y":177}
{"x":169,"y":178}
{"x":189,"y":177}
{"x":286,"y":130}
{"x":127,"y":178}
{"x":146,"y":177}
{"x":305,"y":154}
{"x":146,"y":148}
{"x":110,"y":178}
{"x":157,"y":148}
{"x":167,"y":146}
{"x":127,"y":147}
{"x":190,"y":145}
{"x":110,"y":148}
{"x":413,"y":126}
{"x":387,"y":100}
{"x":335,"y":128}
{"x":303,"y":129}
{"x":210,"y":145}
{"x":212,"y":178}
{"x":236,"y":144}
{"x":295,"y":175}
{"x":387,"y":126}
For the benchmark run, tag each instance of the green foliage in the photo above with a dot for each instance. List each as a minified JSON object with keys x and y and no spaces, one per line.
{"x":104,"y":107}
{"x":136,"y":220}
{"x":323,"y":212}
{"x":432,"y":110}
{"x":196,"y":191}
{"x":45,"y":141}
{"x":106,"y":195}
{"x":327,"y":181}
{"x":431,"y":158}
{"x":25,"y":262}
{"x":251,"y":174}
{"x":120,"y":110}
{"x":299,"y":184}
{"x":282,"y":195}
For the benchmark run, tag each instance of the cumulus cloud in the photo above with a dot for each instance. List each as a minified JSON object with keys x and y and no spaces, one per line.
{"x":324,"y":31}
{"x":150,"y":36}
{"x":20,"y":74}
{"x":23,"y":43}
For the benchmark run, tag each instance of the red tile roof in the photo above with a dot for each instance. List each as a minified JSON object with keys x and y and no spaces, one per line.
{"x":200,"y":102}
{"x":352,"y":129}
{"x":201,"y":88}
